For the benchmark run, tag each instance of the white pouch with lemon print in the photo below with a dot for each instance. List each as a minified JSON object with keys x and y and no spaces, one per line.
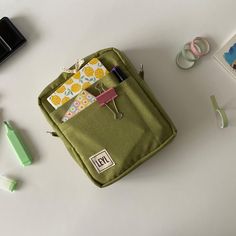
{"x":85,"y":77}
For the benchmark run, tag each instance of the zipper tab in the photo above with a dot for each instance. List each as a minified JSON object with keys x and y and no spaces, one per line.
{"x":141,"y":71}
{"x":54,"y":134}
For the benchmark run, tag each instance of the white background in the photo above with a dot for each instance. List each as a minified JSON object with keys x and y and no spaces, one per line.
{"x":189,"y":188}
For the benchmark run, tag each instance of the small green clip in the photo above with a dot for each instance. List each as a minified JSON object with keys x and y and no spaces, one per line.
{"x":7,"y":184}
{"x":18,"y":145}
{"x":221,"y":116}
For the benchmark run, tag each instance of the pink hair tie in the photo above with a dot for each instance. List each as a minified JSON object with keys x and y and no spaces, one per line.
{"x":202,"y":44}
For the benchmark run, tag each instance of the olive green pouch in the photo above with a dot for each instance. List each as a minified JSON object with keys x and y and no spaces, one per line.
{"x":106,"y":148}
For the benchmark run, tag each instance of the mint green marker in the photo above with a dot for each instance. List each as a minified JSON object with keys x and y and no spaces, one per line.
{"x":18,"y":145}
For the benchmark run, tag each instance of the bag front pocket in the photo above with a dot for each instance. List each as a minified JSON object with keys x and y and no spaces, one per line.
{"x":109,"y":81}
{"x":127,"y":140}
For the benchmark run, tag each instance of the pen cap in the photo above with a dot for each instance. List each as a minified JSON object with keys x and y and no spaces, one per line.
{"x":7,"y":184}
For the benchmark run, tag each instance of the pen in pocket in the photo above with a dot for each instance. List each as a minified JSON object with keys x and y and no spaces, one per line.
{"x":118,"y":73}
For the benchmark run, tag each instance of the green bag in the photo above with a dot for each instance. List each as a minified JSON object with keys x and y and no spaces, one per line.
{"x":106,"y":148}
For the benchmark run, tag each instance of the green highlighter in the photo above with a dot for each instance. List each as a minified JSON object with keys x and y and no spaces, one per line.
{"x":17,"y":144}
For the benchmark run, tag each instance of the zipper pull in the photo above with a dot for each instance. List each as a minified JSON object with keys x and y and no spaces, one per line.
{"x":141,"y":71}
{"x":54,"y":134}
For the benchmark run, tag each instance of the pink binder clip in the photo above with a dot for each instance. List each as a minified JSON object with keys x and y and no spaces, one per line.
{"x":106,"y":96}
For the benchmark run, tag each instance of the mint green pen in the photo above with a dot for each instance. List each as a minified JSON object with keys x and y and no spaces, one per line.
{"x":17,"y":144}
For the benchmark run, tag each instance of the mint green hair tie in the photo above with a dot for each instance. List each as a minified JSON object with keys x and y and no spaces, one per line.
{"x":222,"y":119}
{"x":182,"y":63}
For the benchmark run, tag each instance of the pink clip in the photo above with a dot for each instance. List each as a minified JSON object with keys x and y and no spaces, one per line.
{"x":106,"y":96}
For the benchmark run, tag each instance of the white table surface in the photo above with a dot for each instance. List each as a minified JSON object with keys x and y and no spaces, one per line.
{"x":189,"y":188}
